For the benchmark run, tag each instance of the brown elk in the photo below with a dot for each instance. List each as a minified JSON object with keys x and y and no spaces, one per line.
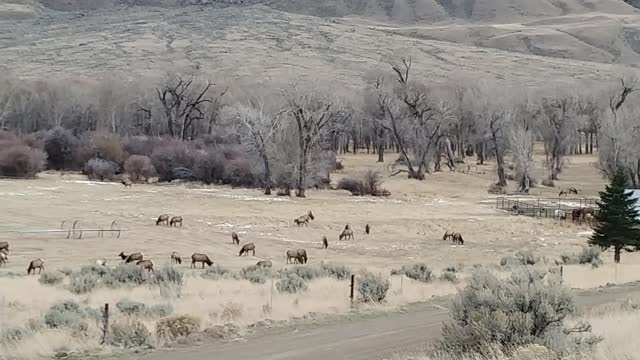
{"x":175,"y":221}
{"x":36,"y":264}
{"x":264,"y":264}
{"x":291,"y":254}
{"x":447,"y":234}
{"x":235,"y":239}
{"x":569,"y":190}
{"x":126,"y":182}
{"x":131,"y":257}
{"x":347,"y":234}
{"x":457,"y":239}
{"x":246,"y":248}
{"x":175,"y":258}
{"x":304,"y":219}
{"x":367,"y":229}
{"x":4,"y":245}
{"x":201,"y":258}
{"x":146,"y":265}
{"x":301,"y":256}
{"x":325,"y":242}
{"x":164,"y":218}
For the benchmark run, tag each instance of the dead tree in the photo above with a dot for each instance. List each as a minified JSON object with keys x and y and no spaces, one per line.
{"x":558,"y":131}
{"x":182,"y":105}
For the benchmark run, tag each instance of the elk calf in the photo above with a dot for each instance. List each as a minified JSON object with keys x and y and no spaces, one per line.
{"x":146,"y":264}
{"x":201,"y":258}
{"x":246,"y":248}
{"x":175,"y":221}
{"x":175,"y":258}
{"x":163,"y":219}
{"x":36,"y":264}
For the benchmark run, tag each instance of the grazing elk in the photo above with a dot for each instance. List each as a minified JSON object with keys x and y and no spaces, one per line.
{"x":457,"y":239}
{"x":175,"y":221}
{"x":302,"y":256}
{"x":291,"y":254}
{"x":4,"y":245}
{"x":447,"y":234}
{"x":569,"y":190}
{"x":131,"y":257}
{"x":325,"y":242}
{"x":201,"y":258}
{"x":146,"y":265}
{"x":367,"y":229}
{"x":126,"y":182}
{"x":175,"y":258}
{"x":164,"y":218}
{"x":3,"y":258}
{"x":246,"y":248}
{"x":304,"y":219}
{"x":101,"y":262}
{"x":36,"y":264}
{"x":264,"y":264}
{"x":235,"y":239}
{"x":347,"y":234}
{"x":588,"y":218}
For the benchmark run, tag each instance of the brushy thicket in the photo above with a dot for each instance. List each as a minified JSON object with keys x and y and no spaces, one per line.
{"x":527,"y":308}
{"x":51,"y":278}
{"x":129,"y":334}
{"x":369,"y":184}
{"x":372,"y":288}
{"x":68,"y":314}
{"x":291,"y":283}
{"x":418,"y":271}
{"x":175,"y":327}
{"x":91,"y":277}
{"x":100,"y":169}
{"x":139,"y":168}
{"x":588,"y":255}
{"x":19,"y":160}
{"x":217,"y":272}
{"x":522,"y":258}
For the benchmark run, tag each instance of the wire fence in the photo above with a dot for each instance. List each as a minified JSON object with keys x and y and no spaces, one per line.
{"x":546,"y":208}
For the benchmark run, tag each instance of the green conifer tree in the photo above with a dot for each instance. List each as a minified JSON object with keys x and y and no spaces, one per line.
{"x":617,"y":221}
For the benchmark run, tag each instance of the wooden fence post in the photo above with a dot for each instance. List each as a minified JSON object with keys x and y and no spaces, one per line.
{"x":561,"y":274}
{"x":105,"y":324}
{"x":353,"y":277}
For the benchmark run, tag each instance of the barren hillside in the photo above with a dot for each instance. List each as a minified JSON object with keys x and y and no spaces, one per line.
{"x":251,"y":42}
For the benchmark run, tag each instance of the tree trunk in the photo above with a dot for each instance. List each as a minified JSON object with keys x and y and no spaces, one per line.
{"x":502,"y":179}
{"x":267,"y":174}
{"x":302,"y":172}
{"x":381,"y":152}
{"x":450,"y":154}
{"x":616,"y":254}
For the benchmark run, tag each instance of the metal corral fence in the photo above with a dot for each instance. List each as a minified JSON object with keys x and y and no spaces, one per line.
{"x":546,"y":208}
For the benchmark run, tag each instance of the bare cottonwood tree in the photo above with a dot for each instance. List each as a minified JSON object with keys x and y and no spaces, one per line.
{"x":311,"y":109}
{"x":182,"y":104}
{"x":521,"y":139}
{"x":558,"y":130}
{"x":257,"y":126}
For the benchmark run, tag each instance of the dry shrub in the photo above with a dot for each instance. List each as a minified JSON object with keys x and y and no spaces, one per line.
{"x":51,"y":278}
{"x":419,"y":271}
{"x":548,"y":183}
{"x":291,"y":283}
{"x":369,"y":184}
{"x":109,"y":147}
{"x":231,"y":311}
{"x":60,"y":146}
{"x":588,"y":255}
{"x":101,"y":169}
{"x":171,"y":158}
{"x":177,"y":327}
{"x":129,"y":334}
{"x":239,"y":172}
{"x":131,"y":308}
{"x":19,"y":160}
{"x":139,"y":167}
{"x":372,"y":288}
{"x":139,"y":145}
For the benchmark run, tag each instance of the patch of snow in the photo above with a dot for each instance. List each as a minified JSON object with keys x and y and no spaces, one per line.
{"x":92,"y":183}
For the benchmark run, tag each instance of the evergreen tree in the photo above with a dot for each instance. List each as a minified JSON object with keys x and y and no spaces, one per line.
{"x":618,"y":224}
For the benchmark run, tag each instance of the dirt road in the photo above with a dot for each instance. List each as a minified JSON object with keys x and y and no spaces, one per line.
{"x":363,"y":339}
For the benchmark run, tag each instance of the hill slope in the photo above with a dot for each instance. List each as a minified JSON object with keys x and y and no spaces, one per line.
{"x":255,"y":43}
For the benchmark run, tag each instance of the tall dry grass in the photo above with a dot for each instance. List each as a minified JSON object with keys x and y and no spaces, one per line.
{"x":212,"y":302}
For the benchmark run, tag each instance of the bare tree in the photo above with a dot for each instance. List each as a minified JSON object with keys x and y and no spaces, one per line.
{"x":257,"y":126}
{"x":311,"y":109}
{"x":182,"y":104}
{"x":521,"y":139}
{"x":558,"y":130}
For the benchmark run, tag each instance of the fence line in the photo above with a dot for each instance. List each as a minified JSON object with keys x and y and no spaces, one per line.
{"x":545,"y":207}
